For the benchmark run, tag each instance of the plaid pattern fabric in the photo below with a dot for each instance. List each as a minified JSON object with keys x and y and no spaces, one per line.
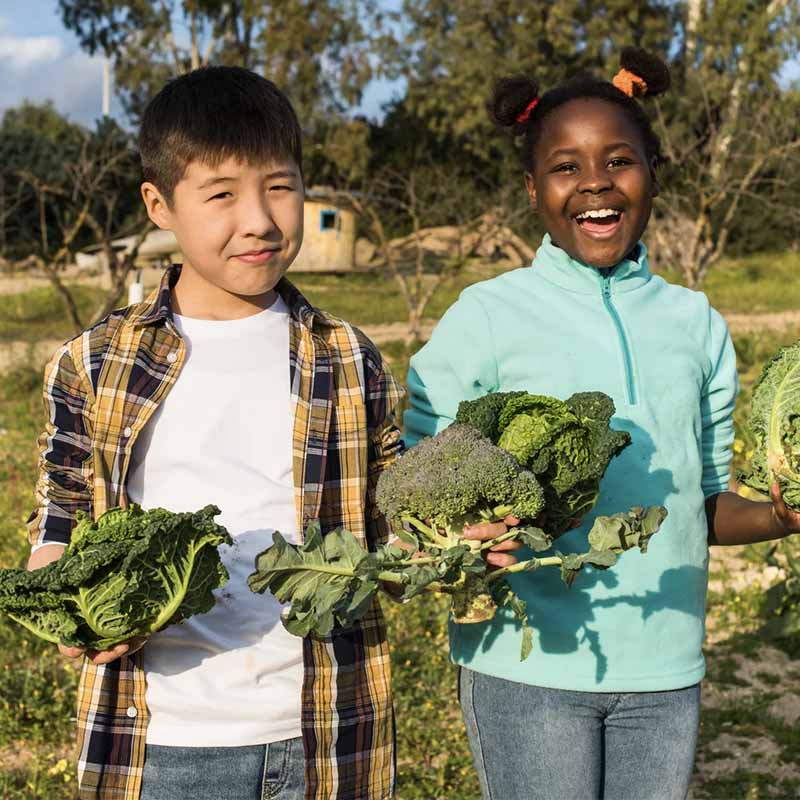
{"x":100,"y":390}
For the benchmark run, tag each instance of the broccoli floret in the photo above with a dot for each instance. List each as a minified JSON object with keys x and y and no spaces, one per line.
{"x":456,"y":478}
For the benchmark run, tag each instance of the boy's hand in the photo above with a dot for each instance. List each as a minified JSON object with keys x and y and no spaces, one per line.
{"x":784,"y":520}
{"x":104,"y":656}
{"x":500,"y":554}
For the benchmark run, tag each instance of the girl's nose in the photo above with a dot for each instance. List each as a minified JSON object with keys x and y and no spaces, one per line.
{"x":595,"y":180}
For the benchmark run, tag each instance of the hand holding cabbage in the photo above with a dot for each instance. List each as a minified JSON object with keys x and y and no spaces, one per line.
{"x":125,"y":576}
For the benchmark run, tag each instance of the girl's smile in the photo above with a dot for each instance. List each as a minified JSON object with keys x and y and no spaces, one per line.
{"x":592,"y":183}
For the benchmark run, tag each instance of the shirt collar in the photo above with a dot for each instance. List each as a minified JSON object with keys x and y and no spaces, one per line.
{"x":555,"y":265}
{"x":158,"y":306}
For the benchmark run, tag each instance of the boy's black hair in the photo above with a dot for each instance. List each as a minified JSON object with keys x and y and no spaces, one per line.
{"x":211,"y":114}
{"x":513,"y":95}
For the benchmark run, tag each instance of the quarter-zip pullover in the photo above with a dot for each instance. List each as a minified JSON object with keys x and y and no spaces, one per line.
{"x":666,"y":358}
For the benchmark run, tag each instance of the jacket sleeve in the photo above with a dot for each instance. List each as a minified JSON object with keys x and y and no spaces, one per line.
{"x":64,"y":483}
{"x":458,"y":363}
{"x":383,"y":397}
{"x":717,"y":403}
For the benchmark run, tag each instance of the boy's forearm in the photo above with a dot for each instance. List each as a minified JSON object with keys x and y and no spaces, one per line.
{"x":735,"y":520}
{"x":45,"y":555}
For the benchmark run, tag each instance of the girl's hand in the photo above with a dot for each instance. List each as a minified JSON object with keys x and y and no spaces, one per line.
{"x":500,"y":554}
{"x":784,"y":520}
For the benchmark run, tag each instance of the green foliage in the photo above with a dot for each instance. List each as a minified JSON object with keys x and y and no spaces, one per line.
{"x":320,"y":53}
{"x":130,"y":573}
{"x":775,"y":424}
{"x":566,"y":444}
{"x":331,"y":581}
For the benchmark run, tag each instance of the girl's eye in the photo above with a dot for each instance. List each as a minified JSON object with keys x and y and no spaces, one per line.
{"x":565,"y":168}
{"x":221,"y":196}
{"x":281,"y":188}
{"x":619,"y":162}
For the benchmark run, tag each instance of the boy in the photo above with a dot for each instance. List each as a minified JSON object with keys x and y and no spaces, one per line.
{"x":226,"y":386}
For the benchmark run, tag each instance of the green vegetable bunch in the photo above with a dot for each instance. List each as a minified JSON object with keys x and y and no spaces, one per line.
{"x":131,"y":573}
{"x":455,"y":479}
{"x":775,"y":424}
{"x":567,"y":444}
{"x":429,"y":494}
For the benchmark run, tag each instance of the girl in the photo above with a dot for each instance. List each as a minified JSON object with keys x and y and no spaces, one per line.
{"x":608,"y":703}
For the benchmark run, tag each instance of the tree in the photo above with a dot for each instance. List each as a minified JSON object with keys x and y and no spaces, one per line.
{"x":78,"y":189}
{"x":317,"y":50}
{"x":730,"y":132}
{"x":454,"y":48}
{"x":443,"y":228}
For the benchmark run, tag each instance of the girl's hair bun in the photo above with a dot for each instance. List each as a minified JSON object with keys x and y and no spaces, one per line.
{"x":647,"y":66}
{"x":510,"y":97}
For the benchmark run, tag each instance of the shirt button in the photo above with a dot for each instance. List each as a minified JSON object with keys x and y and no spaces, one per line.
{"x":127,"y":432}
{"x":172,"y":358}
{"x":132,"y":712}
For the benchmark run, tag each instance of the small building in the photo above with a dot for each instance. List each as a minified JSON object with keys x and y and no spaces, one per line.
{"x":329,"y":237}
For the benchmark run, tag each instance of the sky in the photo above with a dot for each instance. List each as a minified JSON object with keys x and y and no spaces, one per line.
{"x":41,"y":60}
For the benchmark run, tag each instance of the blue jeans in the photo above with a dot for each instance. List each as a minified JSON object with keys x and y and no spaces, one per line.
{"x":531,"y":743}
{"x":259,"y":772}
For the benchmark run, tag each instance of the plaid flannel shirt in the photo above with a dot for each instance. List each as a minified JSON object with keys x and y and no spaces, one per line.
{"x":100,"y":390}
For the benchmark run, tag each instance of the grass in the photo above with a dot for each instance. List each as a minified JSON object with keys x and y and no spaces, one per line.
{"x":40,"y":313}
{"x":37,"y":687}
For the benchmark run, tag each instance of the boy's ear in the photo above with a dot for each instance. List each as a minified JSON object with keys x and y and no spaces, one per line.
{"x":156,"y":206}
{"x":531,"y":187}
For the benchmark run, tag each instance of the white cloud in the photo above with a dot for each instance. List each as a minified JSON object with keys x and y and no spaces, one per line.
{"x":39,"y":68}
{"x":24,"y":53}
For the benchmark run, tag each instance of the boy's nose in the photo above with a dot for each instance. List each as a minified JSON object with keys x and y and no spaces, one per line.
{"x":256,"y":220}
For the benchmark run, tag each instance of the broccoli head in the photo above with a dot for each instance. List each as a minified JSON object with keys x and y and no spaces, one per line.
{"x":567,"y":444}
{"x":455,"y":478}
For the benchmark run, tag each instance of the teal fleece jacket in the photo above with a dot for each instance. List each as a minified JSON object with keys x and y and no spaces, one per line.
{"x":666,"y":358}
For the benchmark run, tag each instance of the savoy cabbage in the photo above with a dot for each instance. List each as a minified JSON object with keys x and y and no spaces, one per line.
{"x":567,"y":444}
{"x":775,"y":424}
{"x":130,"y":573}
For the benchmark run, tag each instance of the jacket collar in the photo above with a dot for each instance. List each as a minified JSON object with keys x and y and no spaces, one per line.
{"x":158,"y":306}
{"x":553,"y":264}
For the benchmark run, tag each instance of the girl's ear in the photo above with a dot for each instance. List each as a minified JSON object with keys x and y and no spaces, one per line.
{"x":531,"y":187}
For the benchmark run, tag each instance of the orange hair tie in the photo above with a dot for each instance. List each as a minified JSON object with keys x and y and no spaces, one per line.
{"x":630,"y":83}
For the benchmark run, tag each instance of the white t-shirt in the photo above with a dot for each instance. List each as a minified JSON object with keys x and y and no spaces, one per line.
{"x":223,"y":435}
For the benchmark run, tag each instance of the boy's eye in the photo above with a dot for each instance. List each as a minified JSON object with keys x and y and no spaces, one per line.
{"x":564,"y":168}
{"x":619,"y":162}
{"x":220,"y":196}
{"x":281,"y":187}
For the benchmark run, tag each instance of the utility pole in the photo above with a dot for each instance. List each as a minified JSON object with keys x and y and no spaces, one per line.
{"x":106,"y":86}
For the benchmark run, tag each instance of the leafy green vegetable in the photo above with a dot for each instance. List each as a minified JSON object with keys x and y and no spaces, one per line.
{"x":131,"y":573}
{"x":567,"y":444}
{"x":456,"y":478}
{"x":331,"y":581}
{"x":775,"y":423}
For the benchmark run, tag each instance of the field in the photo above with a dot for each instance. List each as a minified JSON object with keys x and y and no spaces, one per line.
{"x":750,"y":739}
